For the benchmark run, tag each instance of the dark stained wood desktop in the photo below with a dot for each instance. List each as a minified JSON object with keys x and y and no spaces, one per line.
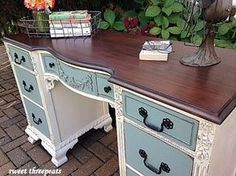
{"x":209,"y":92}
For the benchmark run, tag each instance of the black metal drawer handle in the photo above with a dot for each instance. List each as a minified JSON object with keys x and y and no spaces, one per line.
{"x":30,"y":89}
{"x":17,"y":59}
{"x":37,"y":122}
{"x":167,"y":123}
{"x":107,"y":89}
{"x":163,"y":167}
{"x":51,"y":65}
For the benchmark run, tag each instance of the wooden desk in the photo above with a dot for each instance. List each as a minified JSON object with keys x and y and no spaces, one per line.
{"x":200,"y":102}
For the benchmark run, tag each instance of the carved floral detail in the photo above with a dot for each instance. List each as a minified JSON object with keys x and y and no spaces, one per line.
{"x":34,"y":66}
{"x":82,"y":84}
{"x":118,"y":101}
{"x":50,"y":82}
{"x":205,"y":140}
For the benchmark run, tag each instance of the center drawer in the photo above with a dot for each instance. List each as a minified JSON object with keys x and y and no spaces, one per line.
{"x":146,"y":154}
{"x":74,"y":77}
{"x":173,"y":125}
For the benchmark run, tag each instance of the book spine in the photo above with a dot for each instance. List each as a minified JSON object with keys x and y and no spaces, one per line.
{"x":67,"y":25}
{"x":69,"y":32}
{"x":67,"y":15}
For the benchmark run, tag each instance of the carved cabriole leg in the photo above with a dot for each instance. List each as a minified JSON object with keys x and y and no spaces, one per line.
{"x":120,"y":129}
{"x":204,"y":148}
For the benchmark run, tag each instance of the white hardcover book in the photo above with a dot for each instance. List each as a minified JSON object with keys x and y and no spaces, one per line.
{"x":69,"y":32}
{"x":155,"y":50}
{"x":69,"y":25}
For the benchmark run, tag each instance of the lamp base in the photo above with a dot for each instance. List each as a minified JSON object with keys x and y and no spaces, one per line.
{"x":203,"y":58}
{"x":206,"y":55}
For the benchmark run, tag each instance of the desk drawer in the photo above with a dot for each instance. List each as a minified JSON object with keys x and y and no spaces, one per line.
{"x":76,"y":78}
{"x":105,"y":89}
{"x":140,"y":146}
{"x":176,"y":126}
{"x":20,"y":57}
{"x":28,"y":84}
{"x":50,"y":64}
{"x":37,"y":117}
{"x":129,"y":172}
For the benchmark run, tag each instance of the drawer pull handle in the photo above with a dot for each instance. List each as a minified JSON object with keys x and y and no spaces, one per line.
{"x":51,"y":65}
{"x":37,"y":122}
{"x":107,"y":89}
{"x":17,"y":59}
{"x":30,"y":89}
{"x":163,"y":167}
{"x":167,"y":123}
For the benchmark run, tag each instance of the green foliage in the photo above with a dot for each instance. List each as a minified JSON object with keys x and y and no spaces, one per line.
{"x":152,"y":11}
{"x":111,"y":21}
{"x":226,"y":35}
{"x":160,"y":18}
{"x":155,"y":31}
{"x":170,"y":17}
{"x":166,"y":15}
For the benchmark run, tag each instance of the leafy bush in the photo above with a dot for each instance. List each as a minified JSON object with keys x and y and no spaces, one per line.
{"x":111,"y":20}
{"x":226,"y":35}
{"x":168,"y":20}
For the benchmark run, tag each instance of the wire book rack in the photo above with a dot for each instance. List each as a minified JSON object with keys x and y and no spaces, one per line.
{"x":60,"y":28}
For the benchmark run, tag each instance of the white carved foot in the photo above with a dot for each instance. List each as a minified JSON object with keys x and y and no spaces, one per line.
{"x":108,"y":128}
{"x":31,"y":140}
{"x":32,"y":136}
{"x":58,"y":153}
{"x":59,"y":160}
{"x":105,"y":124}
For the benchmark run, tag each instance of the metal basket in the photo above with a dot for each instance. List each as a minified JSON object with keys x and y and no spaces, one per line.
{"x":68,"y":28}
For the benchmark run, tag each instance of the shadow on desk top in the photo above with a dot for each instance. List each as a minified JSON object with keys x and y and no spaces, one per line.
{"x":206,"y":92}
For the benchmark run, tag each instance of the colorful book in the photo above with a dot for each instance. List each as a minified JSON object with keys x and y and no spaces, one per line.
{"x":65,"y":15}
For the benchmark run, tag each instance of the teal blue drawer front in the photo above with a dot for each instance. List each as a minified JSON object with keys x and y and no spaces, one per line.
{"x":129,"y":172}
{"x":50,"y":64}
{"x":176,"y":126}
{"x":28,"y":84}
{"x":20,"y":57}
{"x":37,"y":117}
{"x":141,"y":146}
{"x":76,"y":78}
{"x":105,"y":89}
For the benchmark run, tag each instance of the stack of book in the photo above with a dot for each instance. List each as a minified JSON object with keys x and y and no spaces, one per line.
{"x":70,"y":24}
{"x":155,"y":50}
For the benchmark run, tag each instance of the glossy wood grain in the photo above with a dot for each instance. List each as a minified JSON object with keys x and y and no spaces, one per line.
{"x":207,"y":92}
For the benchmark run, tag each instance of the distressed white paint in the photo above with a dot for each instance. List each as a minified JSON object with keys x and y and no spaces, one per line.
{"x":64,"y":128}
{"x":120,"y":129}
{"x":234,"y":3}
{"x":215,"y":149}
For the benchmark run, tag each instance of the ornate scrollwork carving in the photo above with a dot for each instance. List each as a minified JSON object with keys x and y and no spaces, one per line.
{"x":118,"y":101}
{"x":205,"y":142}
{"x":34,"y":65}
{"x":82,"y":84}
{"x":50,"y":82}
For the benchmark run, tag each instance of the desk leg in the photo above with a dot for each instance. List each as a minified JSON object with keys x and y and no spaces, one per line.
{"x":32,"y":137}
{"x":59,"y":153}
{"x":106,"y":124}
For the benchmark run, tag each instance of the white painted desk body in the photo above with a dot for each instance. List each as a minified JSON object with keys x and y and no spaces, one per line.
{"x":63,"y":101}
